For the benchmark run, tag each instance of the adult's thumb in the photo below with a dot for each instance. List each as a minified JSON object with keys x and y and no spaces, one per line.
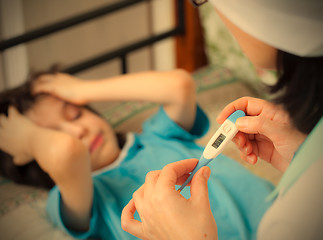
{"x":199,"y":188}
{"x":259,"y":125}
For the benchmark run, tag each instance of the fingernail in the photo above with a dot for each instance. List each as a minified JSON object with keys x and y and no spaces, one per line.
{"x":237,"y":141}
{"x":246,"y":149}
{"x":250,"y":160}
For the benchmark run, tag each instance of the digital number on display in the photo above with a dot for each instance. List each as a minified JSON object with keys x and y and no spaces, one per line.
{"x":218,"y":141}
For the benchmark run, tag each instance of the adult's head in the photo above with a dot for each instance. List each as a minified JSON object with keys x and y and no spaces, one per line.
{"x":285,"y":35}
{"x":48,"y":111}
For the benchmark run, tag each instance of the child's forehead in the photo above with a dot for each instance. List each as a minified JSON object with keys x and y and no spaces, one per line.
{"x":47,"y":102}
{"x":46,"y":110}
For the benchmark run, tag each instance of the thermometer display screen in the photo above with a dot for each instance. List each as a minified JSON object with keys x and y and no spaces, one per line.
{"x":218,"y":141}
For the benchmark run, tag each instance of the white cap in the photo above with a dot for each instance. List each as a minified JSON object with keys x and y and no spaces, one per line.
{"x":294,"y":26}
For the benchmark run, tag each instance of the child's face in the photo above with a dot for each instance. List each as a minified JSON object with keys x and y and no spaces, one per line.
{"x":95,"y":133}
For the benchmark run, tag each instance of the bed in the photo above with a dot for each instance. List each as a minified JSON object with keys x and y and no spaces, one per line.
{"x":203,"y":47}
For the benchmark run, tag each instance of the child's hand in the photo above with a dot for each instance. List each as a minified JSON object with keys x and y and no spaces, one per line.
{"x":63,"y":86}
{"x":266,"y":132}
{"x":15,"y":133}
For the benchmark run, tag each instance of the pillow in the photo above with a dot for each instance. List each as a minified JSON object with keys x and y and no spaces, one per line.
{"x":23,"y":214}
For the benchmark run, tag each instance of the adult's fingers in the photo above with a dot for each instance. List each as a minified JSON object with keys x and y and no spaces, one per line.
{"x":128,"y":222}
{"x":181,"y":180}
{"x":243,"y":143}
{"x":260,"y":125}
{"x":152,"y":178}
{"x":251,"y":106}
{"x":150,"y":182}
{"x":199,"y":188}
{"x":251,"y":158}
{"x":138,"y":198}
{"x":171,"y":172}
{"x":247,"y":146}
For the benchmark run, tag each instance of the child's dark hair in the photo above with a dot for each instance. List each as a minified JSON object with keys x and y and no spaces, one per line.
{"x":301,"y":83}
{"x":22,"y":99}
{"x":29,"y":174}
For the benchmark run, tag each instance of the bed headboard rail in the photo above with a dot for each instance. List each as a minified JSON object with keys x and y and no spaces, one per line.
{"x":121,"y":53}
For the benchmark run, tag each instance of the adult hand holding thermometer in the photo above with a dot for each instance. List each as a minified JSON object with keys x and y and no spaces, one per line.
{"x":217,"y":143}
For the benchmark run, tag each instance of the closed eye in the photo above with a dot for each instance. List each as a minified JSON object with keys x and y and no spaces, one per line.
{"x":72,"y":112}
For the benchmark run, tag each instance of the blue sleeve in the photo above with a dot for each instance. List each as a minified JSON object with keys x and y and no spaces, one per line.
{"x":54,"y":211}
{"x":160,"y":124}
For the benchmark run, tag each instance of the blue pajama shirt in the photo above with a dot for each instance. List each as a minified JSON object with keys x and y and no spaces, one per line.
{"x":236,"y":195}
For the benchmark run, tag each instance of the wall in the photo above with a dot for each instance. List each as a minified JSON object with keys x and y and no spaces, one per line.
{"x":97,"y":36}
{"x":14,"y":65}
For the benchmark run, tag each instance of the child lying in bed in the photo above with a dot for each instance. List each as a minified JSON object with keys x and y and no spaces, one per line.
{"x":94,"y":173}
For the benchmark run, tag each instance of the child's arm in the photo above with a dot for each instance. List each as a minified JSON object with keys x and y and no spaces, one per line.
{"x":63,"y":157}
{"x":175,"y":90}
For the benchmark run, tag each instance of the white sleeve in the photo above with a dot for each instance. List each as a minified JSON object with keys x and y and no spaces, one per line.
{"x":298,"y":214}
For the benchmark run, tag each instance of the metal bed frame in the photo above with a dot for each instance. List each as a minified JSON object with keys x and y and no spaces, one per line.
{"x":121,"y":53}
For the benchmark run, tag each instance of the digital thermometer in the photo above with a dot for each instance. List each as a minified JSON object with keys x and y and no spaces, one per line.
{"x":217,"y":143}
